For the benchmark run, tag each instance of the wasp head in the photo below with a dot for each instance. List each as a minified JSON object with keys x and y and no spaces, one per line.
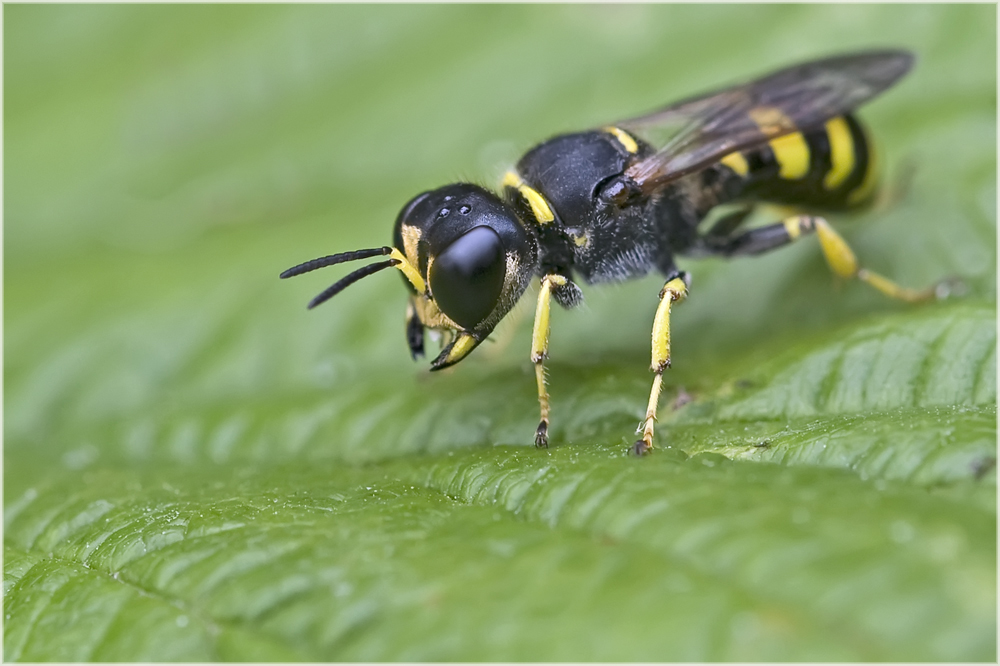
{"x":475,"y":259}
{"x":466,"y":260}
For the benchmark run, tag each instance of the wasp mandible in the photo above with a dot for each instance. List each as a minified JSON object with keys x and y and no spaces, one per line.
{"x":620,"y":201}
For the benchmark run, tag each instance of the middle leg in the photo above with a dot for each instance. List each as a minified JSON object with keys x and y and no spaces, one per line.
{"x":675,"y":290}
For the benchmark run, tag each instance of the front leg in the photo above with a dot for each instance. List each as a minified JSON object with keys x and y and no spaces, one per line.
{"x":674,"y":290}
{"x":540,"y":349}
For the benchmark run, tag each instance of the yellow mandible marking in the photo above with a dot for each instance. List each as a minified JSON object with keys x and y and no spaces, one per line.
{"x":539,"y":206}
{"x":792,"y":154}
{"x":624,"y":138}
{"x":737,"y":163}
{"x":838,"y":253}
{"x":409,"y":271}
{"x":465,"y":344}
{"x":841,"y":153}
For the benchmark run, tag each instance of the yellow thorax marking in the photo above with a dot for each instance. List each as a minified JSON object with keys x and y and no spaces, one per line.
{"x":624,"y":138}
{"x":510,"y":179}
{"x":539,"y":206}
{"x":409,"y":270}
{"x":841,"y":153}
{"x":737,"y":163}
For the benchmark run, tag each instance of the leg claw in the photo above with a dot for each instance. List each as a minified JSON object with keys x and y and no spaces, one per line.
{"x":640,"y":448}
{"x":542,"y":435}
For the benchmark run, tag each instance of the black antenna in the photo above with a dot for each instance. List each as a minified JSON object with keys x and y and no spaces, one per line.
{"x":337,"y":259}
{"x":347,"y":281}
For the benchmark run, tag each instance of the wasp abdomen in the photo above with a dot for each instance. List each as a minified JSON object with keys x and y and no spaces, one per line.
{"x":831,"y":166}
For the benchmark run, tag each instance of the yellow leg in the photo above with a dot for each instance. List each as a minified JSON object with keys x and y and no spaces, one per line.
{"x":843,"y":263}
{"x":675,"y":290}
{"x":540,"y":349}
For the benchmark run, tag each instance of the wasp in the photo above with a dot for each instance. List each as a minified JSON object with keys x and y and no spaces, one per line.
{"x":623,"y":200}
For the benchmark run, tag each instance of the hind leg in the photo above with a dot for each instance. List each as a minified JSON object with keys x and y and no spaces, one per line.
{"x":836,"y":251}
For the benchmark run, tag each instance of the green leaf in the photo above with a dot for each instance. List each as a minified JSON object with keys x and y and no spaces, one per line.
{"x":198,"y":469}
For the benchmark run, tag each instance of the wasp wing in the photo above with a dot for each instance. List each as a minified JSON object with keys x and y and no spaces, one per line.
{"x":709,"y":127}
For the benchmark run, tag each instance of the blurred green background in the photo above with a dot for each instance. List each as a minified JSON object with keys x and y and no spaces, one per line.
{"x":197,"y":468}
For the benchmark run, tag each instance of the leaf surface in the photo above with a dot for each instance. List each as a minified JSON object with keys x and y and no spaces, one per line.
{"x":198,"y":469}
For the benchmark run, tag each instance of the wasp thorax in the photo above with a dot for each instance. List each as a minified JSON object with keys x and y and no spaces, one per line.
{"x":471,"y":249}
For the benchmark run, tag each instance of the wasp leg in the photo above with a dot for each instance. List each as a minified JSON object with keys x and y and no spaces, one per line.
{"x":675,"y":290}
{"x":727,"y":224}
{"x":540,"y":349}
{"x":838,"y":254}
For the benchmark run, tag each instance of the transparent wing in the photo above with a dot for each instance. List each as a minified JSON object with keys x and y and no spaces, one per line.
{"x":704,"y":129}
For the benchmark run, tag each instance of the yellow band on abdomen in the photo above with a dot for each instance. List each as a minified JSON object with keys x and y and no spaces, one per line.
{"x":841,"y":153}
{"x":792,"y":154}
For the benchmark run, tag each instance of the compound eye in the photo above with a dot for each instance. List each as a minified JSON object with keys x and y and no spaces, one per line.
{"x":466,"y":279}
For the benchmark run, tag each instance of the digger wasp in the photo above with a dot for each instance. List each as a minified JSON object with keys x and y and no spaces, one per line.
{"x":622,"y":200}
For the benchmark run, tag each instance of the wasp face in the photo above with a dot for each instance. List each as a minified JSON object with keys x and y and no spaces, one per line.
{"x":475,"y":259}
